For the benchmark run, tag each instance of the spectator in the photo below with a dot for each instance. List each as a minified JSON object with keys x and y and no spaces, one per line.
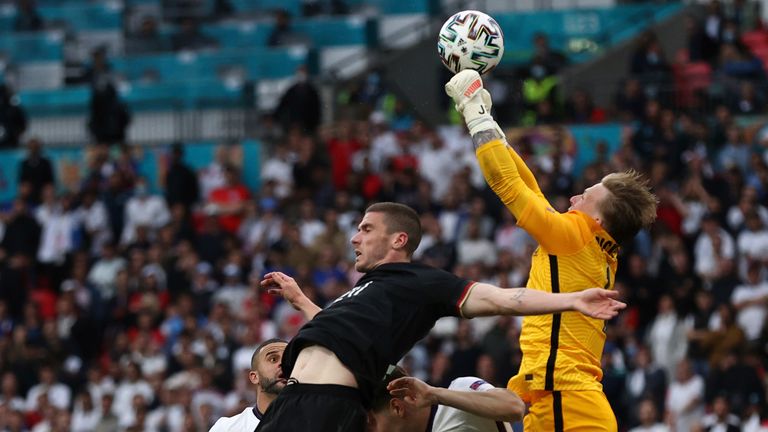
{"x":228,"y":201}
{"x":685,"y":398}
{"x":580,"y":108}
{"x":35,"y":171}
{"x":27,"y":17}
{"x":143,"y":209}
{"x":736,"y":380}
{"x":748,"y":100}
{"x":109,"y":117}
{"x":103,"y":273}
{"x":323,"y":7}
{"x":475,"y":249}
{"x":751,"y":302}
{"x":147,"y":39}
{"x":283,"y":34}
{"x":59,"y":224}
{"x":190,"y":37}
{"x":181,"y":184}
{"x":58,"y":394}
{"x":650,"y":66}
{"x":99,"y":72}
{"x":93,"y":215}
{"x":13,"y":118}
{"x":713,"y":245}
{"x":630,"y":101}
{"x":666,"y":336}
{"x":718,"y":342}
{"x":300,"y":105}
{"x":721,"y":419}
{"x":19,"y":245}
{"x":646,"y":383}
{"x":649,"y":418}
{"x":85,"y":416}
{"x":132,"y":385}
{"x":540,"y":94}
{"x":10,"y":397}
{"x":713,"y":27}
{"x":553,"y":60}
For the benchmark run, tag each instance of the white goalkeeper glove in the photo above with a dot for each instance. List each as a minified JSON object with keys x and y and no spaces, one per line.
{"x":472,"y":101}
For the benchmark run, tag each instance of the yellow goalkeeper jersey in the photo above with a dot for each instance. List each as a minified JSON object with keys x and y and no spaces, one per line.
{"x":560,"y":351}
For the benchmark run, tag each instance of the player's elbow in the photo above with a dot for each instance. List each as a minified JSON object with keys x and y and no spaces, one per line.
{"x":514,"y":408}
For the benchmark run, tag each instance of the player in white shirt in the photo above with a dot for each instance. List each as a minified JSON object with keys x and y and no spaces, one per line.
{"x":267,"y":376}
{"x":469,"y":404}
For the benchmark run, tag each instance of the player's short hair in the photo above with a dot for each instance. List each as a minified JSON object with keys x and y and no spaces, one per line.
{"x":400,"y":218}
{"x":381,"y":396}
{"x":629,"y":207}
{"x":261,"y":346}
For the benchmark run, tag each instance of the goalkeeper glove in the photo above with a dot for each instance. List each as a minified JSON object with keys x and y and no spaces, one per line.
{"x":472,"y":101}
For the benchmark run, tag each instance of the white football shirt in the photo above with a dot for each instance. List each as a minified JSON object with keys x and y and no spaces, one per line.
{"x":448,"y":419}
{"x":246,"y":421}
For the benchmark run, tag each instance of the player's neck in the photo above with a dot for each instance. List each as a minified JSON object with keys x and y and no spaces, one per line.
{"x":263,"y":400}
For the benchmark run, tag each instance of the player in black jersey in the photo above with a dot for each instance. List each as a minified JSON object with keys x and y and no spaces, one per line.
{"x":337,"y":359}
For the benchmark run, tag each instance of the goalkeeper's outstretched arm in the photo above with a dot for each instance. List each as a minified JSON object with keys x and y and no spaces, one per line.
{"x":504,"y":170}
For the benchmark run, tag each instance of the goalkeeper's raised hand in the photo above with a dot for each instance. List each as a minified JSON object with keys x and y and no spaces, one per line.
{"x":474,"y":103}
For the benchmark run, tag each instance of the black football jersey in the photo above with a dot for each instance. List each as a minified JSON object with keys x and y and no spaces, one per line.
{"x":379,"y":320}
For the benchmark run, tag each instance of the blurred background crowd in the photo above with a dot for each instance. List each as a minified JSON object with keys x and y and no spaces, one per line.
{"x":130,"y":307}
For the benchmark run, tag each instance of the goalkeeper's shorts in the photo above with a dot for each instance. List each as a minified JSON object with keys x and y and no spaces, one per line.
{"x":570,"y":411}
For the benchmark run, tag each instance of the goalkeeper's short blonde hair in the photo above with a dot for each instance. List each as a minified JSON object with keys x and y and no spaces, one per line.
{"x":629,"y":207}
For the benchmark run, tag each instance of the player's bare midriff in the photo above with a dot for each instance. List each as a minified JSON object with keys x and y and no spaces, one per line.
{"x":318,"y":365}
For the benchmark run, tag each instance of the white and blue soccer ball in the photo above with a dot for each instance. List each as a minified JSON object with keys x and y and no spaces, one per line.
{"x":470,"y":39}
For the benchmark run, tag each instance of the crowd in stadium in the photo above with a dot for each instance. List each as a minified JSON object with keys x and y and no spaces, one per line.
{"x":124,"y":308}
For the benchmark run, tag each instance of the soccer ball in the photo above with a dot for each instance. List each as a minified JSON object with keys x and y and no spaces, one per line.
{"x":470,"y":40}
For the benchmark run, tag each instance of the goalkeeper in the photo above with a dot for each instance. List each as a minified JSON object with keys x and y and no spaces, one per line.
{"x":560,"y":372}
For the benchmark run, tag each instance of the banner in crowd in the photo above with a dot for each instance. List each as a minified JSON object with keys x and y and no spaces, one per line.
{"x":71,"y":165}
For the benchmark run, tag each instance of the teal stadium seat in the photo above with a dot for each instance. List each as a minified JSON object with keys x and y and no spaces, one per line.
{"x":240,"y":35}
{"x":7,"y":18}
{"x":44,"y":46}
{"x":258,"y":63}
{"x":338,"y":31}
{"x":399,"y":7}
{"x":85,"y":16}
{"x":182,"y":95}
{"x":68,"y":100}
{"x":322,"y":31}
{"x":293,"y":7}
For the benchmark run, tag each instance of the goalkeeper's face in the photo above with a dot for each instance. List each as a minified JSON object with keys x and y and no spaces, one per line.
{"x":588,"y":201}
{"x":372,"y":243}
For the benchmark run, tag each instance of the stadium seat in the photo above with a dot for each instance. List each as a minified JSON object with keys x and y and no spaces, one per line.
{"x":33,"y":47}
{"x":754,"y":39}
{"x":690,"y":78}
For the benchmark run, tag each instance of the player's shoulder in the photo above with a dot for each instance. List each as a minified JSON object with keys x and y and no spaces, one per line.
{"x":407,"y":270}
{"x":470,"y":383}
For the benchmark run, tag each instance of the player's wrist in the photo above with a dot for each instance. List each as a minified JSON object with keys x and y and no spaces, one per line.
{"x":433,"y":395}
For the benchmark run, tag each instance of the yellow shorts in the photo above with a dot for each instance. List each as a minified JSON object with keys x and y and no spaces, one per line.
{"x":569,"y":411}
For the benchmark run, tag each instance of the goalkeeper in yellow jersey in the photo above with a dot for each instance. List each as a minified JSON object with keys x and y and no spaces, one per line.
{"x":560,"y":372}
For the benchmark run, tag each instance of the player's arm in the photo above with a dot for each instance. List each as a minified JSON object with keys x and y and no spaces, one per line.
{"x":522,"y":168}
{"x":488,"y":300}
{"x":496,"y":404}
{"x":508,"y":175}
{"x":278,"y":283}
